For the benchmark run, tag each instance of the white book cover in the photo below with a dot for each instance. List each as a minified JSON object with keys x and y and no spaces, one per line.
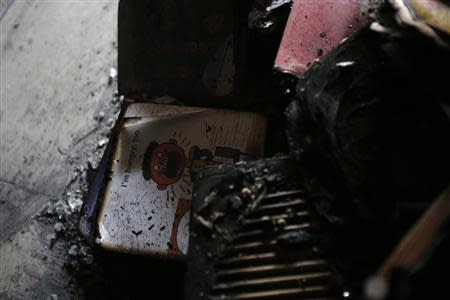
{"x":160,"y":149}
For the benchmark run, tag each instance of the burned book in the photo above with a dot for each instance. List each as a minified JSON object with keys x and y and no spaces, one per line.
{"x":145,"y":201}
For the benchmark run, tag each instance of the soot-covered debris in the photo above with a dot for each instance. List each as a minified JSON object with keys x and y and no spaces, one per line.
{"x":63,"y":214}
{"x":365,"y":121}
{"x":369,"y":134}
{"x":368,"y":124}
{"x":249,"y":209}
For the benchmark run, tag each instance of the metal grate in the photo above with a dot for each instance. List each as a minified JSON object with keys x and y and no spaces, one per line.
{"x":255,"y":266}
{"x":266,"y":252}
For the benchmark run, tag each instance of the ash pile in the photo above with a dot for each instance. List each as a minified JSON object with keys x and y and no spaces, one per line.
{"x":278,"y":150}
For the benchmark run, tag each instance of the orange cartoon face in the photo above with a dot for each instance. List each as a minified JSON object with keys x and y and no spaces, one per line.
{"x":164,"y":163}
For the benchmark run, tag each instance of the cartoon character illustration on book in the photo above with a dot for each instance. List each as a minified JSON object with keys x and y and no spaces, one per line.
{"x":166,"y":163}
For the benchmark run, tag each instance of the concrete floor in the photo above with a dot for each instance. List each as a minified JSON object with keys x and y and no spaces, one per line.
{"x":54,"y":67}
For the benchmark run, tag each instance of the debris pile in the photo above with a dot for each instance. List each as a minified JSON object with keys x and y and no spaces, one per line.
{"x":62,"y":215}
{"x":364,"y":89}
{"x":254,"y":234}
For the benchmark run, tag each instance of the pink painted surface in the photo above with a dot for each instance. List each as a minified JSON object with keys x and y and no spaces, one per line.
{"x":313,"y":29}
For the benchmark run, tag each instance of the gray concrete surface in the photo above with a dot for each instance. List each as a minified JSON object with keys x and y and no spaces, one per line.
{"x":54,"y":65}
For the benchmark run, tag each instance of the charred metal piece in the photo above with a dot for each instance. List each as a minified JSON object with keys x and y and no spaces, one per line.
{"x":255,"y":235}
